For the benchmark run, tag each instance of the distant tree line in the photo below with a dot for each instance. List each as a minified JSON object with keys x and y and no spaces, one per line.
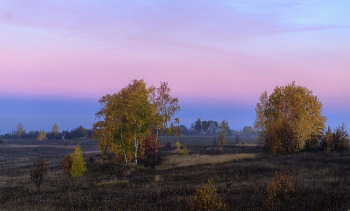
{"x":78,"y":132}
{"x":213,"y":128}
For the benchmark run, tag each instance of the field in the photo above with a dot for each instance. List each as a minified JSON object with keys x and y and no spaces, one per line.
{"x":241,"y":175}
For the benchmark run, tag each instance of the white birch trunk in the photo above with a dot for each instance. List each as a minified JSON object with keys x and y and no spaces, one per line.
{"x":126,"y":160}
{"x":136,"y":148}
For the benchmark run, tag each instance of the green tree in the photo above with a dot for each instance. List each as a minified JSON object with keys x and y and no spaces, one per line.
{"x":224,"y":129}
{"x":78,"y":163}
{"x":289,"y":119}
{"x":20,"y":130}
{"x":42,"y":135}
{"x":55,"y":130}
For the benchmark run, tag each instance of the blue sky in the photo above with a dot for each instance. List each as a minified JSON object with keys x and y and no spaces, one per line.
{"x":59,"y":57}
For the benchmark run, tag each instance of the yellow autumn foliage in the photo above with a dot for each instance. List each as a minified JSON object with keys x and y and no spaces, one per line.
{"x":207,"y":198}
{"x":78,"y":163}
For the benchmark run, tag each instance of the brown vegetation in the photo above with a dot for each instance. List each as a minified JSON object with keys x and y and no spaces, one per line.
{"x":66,"y":164}
{"x":39,"y":172}
{"x":321,"y":180}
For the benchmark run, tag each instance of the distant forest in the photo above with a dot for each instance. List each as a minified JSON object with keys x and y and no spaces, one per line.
{"x":78,"y":132}
{"x":198,"y":128}
{"x":213,"y":128}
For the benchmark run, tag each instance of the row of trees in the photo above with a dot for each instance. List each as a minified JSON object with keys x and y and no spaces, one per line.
{"x":213,"y":128}
{"x":291,"y":120}
{"x":77,"y":132}
{"x":129,"y":116}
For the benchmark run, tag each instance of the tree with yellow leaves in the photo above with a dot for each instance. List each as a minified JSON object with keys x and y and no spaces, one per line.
{"x":289,"y":120}
{"x":130,"y":115}
{"x":78,"y":164}
{"x":42,"y":135}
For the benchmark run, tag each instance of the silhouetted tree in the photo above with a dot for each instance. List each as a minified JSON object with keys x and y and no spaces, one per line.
{"x":39,"y":172}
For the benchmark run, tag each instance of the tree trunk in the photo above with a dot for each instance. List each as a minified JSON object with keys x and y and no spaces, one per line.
{"x":126,"y":160}
{"x":136,"y":148}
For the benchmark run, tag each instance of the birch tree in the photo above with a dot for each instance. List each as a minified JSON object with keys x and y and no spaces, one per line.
{"x":289,"y":119}
{"x":127,"y":115}
{"x":166,"y":107}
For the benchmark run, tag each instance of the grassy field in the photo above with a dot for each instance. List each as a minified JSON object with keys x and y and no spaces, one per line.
{"x":241,"y":175}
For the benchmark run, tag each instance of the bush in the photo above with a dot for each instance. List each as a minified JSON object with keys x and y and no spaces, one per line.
{"x":177,"y":150}
{"x":280,"y":191}
{"x":206,"y":198}
{"x":168,"y":145}
{"x":39,"y":172}
{"x":66,"y":164}
{"x":78,"y":163}
{"x":1,"y":140}
{"x":149,"y":153}
{"x":184,"y":151}
{"x":91,"y":159}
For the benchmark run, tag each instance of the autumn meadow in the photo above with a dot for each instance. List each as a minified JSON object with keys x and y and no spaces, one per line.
{"x":140,"y":158}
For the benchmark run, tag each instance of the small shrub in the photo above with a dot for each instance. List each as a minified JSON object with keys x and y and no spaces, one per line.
{"x":177,"y":145}
{"x":168,"y":145}
{"x":66,"y":164}
{"x":78,"y":163}
{"x":39,"y":172}
{"x":91,"y":159}
{"x":149,"y":153}
{"x":1,"y":140}
{"x":206,"y":198}
{"x":280,"y":191}
{"x":184,"y":151}
{"x":157,"y":178}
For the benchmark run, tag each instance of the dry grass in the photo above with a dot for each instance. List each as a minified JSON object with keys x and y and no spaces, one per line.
{"x":322,"y":180}
{"x":112,"y":182}
{"x":174,"y":161}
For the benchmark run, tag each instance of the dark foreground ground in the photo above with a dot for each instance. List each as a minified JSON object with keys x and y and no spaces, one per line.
{"x":322,"y":180}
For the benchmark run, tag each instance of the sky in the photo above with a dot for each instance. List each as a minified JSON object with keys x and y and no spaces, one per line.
{"x":57,"y":58}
